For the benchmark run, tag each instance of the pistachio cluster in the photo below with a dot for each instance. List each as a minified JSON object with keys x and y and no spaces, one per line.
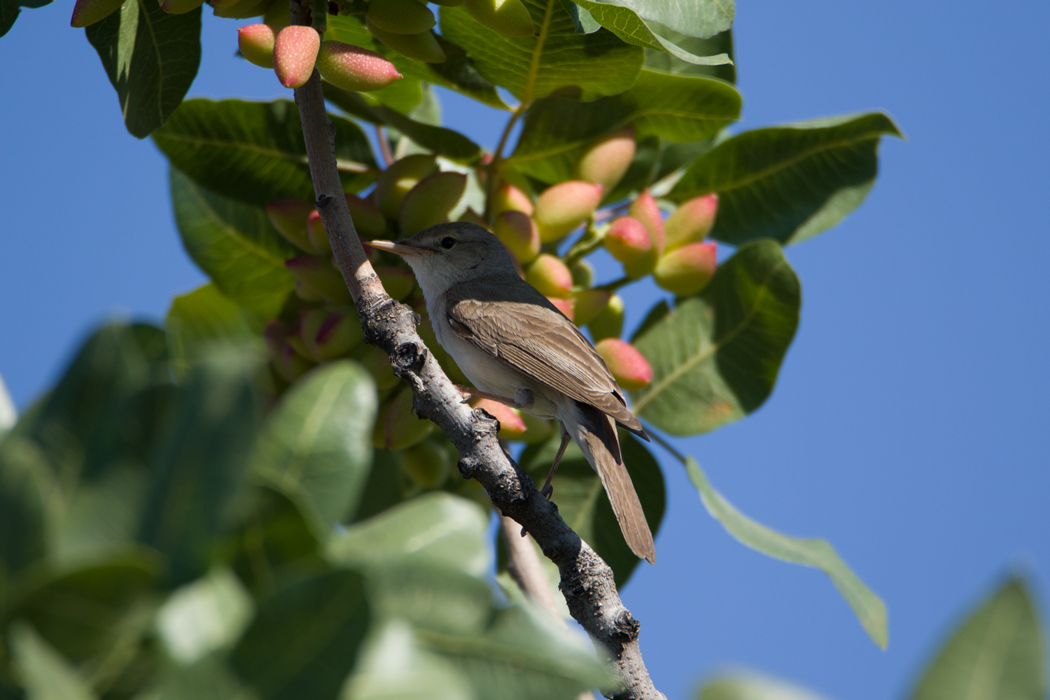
{"x":418,"y":191}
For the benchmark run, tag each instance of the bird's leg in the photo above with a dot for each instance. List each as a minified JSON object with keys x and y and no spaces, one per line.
{"x":522,"y":399}
{"x":547,"y":489}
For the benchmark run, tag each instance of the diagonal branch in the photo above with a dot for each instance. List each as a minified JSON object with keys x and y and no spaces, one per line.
{"x":586,"y":580}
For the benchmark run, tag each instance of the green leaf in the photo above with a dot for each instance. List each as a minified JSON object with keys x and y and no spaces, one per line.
{"x":437,"y":527}
{"x":716,"y":355}
{"x":78,"y":609}
{"x":208,"y":679}
{"x":255,"y":152}
{"x":791,"y":182}
{"x":456,"y":73}
{"x":751,"y":686}
{"x":584,"y":505}
{"x":396,"y":664}
{"x":699,"y":18}
{"x":151,"y":58}
{"x":204,"y":616}
{"x":234,"y":244}
{"x":625,"y":22}
{"x":305,"y":638}
{"x":597,"y":64}
{"x":557,"y":131}
{"x":316,"y":447}
{"x":45,"y":674}
{"x":198,"y":468}
{"x":197,"y":320}
{"x":444,"y":142}
{"x":721,"y":43}
{"x":867,"y":606}
{"x":997,"y":652}
{"x":26,"y":489}
{"x":116,"y":362}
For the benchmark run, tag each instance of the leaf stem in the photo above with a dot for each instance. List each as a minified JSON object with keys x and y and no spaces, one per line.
{"x":526,"y":100}
{"x":384,"y":145}
{"x":662,"y":442}
{"x":615,"y":284}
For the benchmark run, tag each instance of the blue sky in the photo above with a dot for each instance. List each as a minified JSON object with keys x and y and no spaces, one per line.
{"x":905,"y":427}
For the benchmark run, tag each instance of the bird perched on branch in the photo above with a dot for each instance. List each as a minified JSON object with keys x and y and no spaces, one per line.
{"x":517,"y":348}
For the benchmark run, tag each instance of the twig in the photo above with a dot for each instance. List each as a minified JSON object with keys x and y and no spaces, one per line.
{"x":384,"y":145}
{"x":586,"y":580}
{"x":615,"y":284}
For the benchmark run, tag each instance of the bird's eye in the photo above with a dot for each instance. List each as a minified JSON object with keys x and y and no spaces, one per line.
{"x":447,"y":242}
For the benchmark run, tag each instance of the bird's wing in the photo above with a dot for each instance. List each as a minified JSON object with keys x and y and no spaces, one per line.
{"x":543,"y":344}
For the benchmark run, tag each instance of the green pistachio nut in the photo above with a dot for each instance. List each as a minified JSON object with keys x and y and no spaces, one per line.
{"x":629,"y":367}
{"x":317,"y":235}
{"x":337,"y":334}
{"x":685,"y":271}
{"x":507,"y":197}
{"x":394,"y":183}
{"x":243,"y":9}
{"x":691,"y":222}
{"x":317,"y":280}
{"x":354,"y":68}
{"x":645,"y":209}
{"x":400,"y":16}
{"x":397,"y":281}
{"x":294,"y":54}
{"x":87,"y":12}
{"x":422,"y":46}
{"x":627,"y":240}
{"x":519,"y":233}
{"x":589,"y":304}
{"x":609,"y":321}
{"x":289,"y":217}
{"x":563,"y":207}
{"x":582,"y":273}
{"x":256,"y":44}
{"x":429,"y":202}
{"x":508,"y":17}
{"x":567,"y":306}
{"x":426,"y":464}
{"x":606,"y":161}
{"x":402,"y":428}
{"x":511,"y":426}
{"x":369,"y":222}
{"x":550,"y":276}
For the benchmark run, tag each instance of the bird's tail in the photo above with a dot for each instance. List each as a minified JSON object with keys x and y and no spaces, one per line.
{"x":595,"y":433}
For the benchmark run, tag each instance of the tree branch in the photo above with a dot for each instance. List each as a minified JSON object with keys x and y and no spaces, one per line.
{"x":586,"y":580}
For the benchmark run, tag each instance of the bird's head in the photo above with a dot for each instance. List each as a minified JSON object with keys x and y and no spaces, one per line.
{"x":448,"y":254}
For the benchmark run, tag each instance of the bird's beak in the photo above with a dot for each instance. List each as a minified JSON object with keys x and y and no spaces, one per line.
{"x":397,"y":248}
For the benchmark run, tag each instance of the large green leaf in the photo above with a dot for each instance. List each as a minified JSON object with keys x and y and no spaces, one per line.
{"x":210,"y":678}
{"x":789,"y":182}
{"x":584,"y":505}
{"x":997,"y":653}
{"x":201,"y":318}
{"x":110,"y":367}
{"x":255,"y":152}
{"x":456,"y":73}
{"x":438,"y":528}
{"x":715,"y":356}
{"x":751,"y":686}
{"x":444,"y":142}
{"x":204,"y":616}
{"x":557,"y":57}
{"x":44,"y":673}
{"x":698,"y":18}
{"x":305,"y":638}
{"x":196,"y":471}
{"x":10,"y":9}
{"x":316,"y":447}
{"x":151,"y":58}
{"x":78,"y":609}
{"x":867,"y":606}
{"x":234,"y":244}
{"x":718,"y":44}
{"x":627,"y":20}
{"x":557,"y":131}
{"x":26,"y":489}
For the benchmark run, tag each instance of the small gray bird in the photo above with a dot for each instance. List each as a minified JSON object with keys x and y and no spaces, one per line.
{"x":518,"y":349}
